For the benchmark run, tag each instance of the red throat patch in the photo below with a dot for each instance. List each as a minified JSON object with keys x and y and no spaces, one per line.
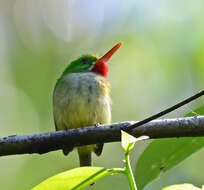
{"x":100,"y":68}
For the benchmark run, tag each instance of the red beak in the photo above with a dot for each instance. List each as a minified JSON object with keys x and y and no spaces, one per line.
{"x":109,"y":54}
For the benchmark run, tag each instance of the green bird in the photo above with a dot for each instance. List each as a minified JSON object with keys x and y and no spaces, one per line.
{"x":82,"y":98}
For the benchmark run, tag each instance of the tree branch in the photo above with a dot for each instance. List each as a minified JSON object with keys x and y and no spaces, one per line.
{"x":43,"y":143}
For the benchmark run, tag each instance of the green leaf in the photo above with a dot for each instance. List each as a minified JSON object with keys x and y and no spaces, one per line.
{"x":128,"y":141}
{"x":198,"y":111}
{"x":163,"y":154}
{"x":74,"y":179}
{"x":185,"y":186}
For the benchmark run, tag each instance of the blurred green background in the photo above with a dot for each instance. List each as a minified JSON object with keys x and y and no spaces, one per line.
{"x":161,"y":62}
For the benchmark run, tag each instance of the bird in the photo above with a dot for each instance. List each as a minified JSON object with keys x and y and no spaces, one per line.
{"x":81,"y":98}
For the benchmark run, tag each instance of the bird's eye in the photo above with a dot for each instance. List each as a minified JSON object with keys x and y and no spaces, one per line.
{"x":84,"y":61}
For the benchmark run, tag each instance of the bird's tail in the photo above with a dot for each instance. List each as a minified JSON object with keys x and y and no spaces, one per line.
{"x":84,"y":156}
{"x":85,"y":160}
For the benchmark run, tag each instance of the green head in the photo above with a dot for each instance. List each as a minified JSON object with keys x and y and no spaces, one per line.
{"x":82,"y":64}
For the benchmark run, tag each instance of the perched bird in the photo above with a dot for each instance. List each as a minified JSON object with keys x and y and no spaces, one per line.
{"x":82,"y":98}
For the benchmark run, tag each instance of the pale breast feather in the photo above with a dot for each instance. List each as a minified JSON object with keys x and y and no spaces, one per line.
{"x":81,"y":99}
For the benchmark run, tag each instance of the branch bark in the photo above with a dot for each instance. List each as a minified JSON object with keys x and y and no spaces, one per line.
{"x":43,"y":143}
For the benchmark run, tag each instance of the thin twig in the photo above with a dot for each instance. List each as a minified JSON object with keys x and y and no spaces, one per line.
{"x":168,"y":110}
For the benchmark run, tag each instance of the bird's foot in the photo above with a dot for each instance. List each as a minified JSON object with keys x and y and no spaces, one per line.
{"x":97,"y":124}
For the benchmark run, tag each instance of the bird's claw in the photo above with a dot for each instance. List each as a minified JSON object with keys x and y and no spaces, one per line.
{"x":97,"y":124}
